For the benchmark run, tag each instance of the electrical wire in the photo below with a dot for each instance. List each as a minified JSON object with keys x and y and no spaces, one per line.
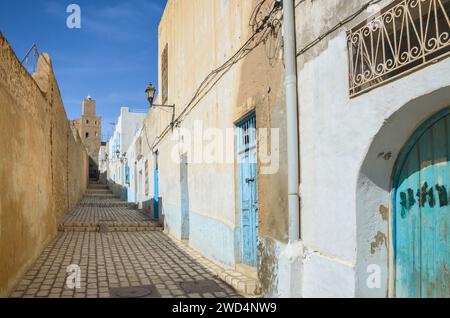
{"x":261,"y":29}
{"x":262,"y":25}
{"x":337,"y":26}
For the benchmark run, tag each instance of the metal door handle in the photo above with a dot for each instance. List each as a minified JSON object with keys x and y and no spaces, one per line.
{"x":248,"y":180}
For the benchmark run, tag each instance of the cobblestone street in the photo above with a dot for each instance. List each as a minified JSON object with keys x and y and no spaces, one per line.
{"x":129,"y":253}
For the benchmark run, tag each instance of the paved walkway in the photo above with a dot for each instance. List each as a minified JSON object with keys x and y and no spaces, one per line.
{"x":119,"y":254}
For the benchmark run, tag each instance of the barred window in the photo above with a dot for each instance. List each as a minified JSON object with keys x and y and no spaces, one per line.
{"x":403,"y":37}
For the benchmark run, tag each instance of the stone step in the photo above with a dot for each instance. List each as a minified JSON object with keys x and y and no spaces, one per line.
{"x":105,"y":191}
{"x":101,"y":195}
{"x":98,"y":186}
{"x":101,"y":204}
{"x":105,"y":227}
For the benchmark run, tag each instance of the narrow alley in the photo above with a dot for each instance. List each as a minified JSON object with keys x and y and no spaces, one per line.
{"x":120,"y":254}
{"x":257,"y":149}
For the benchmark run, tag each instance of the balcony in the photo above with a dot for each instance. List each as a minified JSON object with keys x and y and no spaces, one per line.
{"x":405,"y":36}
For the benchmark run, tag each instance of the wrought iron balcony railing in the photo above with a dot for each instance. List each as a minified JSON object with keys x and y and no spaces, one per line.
{"x":405,"y":36}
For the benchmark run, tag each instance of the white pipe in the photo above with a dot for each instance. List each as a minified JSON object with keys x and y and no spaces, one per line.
{"x":290,"y":60}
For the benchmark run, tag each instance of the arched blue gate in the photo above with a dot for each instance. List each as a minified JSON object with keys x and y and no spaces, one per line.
{"x":421,"y":218}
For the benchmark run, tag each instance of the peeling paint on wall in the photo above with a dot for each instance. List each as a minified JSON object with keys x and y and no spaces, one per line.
{"x":267,"y":266}
{"x":379,"y":240}
{"x":384,"y":212}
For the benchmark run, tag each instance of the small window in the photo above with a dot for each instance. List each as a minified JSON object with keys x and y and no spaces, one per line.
{"x":96,"y":123}
{"x":165,"y":74}
{"x":96,"y":134}
{"x":87,"y":135}
{"x":87,"y":121}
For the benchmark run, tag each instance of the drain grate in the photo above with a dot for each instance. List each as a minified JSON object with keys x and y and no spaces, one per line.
{"x":201,"y":286}
{"x":135,"y":292}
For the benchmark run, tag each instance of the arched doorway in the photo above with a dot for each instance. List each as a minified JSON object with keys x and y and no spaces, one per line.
{"x":421,"y":212}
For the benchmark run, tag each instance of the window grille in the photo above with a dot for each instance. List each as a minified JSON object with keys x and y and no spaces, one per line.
{"x":404,"y":37}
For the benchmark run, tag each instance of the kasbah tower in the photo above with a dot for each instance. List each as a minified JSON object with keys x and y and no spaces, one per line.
{"x":89,"y":128}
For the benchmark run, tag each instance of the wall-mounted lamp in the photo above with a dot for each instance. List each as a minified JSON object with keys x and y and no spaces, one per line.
{"x":150,"y":91}
{"x":124,"y":160}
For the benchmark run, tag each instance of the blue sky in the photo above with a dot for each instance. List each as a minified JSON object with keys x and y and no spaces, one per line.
{"x":112,"y":57}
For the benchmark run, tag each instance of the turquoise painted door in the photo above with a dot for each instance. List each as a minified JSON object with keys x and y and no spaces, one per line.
{"x":248,"y":190}
{"x":156,"y":194}
{"x":422,"y":212}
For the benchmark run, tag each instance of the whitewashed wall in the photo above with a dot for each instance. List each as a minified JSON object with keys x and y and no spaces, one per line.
{"x":345,"y":182}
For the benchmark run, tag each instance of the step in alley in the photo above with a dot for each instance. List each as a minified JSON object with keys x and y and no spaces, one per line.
{"x":120,"y":252}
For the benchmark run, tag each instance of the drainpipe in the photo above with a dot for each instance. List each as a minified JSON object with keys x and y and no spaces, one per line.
{"x":290,"y":261}
{"x":290,"y":60}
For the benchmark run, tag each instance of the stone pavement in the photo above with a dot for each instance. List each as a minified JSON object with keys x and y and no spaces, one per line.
{"x":101,"y":211}
{"x":130,"y":257}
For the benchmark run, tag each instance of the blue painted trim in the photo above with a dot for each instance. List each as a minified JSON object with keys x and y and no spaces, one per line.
{"x":245,"y":119}
{"x":401,"y":160}
{"x":248,"y":193}
{"x":156,"y":195}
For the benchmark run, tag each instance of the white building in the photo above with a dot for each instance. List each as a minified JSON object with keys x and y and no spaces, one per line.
{"x":134,"y":183}
{"x":374,"y":132}
{"x":103,"y":161}
{"x":128,"y":125}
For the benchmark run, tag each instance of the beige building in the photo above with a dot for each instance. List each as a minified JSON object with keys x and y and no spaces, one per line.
{"x":373,"y":117}
{"x":212,"y":166}
{"x":89,"y":127}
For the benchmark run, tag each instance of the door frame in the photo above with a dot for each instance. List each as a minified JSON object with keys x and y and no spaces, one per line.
{"x":401,"y":159}
{"x":135,"y":183}
{"x":239,"y":152}
{"x":140,"y":187}
{"x":184,"y":197}
{"x":156,"y":187}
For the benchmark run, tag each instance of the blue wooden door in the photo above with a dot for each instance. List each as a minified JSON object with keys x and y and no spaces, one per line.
{"x":422,"y":212}
{"x":156,"y":194}
{"x":184,"y":189}
{"x":248,"y":190}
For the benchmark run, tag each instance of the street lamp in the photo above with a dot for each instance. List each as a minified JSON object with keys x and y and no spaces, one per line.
{"x":150,"y":91}
{"x":124,"y":158}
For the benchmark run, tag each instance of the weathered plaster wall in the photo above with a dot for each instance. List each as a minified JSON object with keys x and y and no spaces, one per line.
{"x":201,"y":35}
{"x":346,"y":174}
{"x":43,"y":169}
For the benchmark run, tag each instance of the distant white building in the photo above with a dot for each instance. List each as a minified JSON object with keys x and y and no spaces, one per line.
{"x":128,"y":124}
{"x":103,"y":160}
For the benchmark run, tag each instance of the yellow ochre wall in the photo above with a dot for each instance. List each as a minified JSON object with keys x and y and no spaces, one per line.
{"x":43,"y":168}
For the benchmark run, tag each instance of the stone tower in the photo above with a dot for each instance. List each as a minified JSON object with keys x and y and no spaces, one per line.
{"x":89,"y":128}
